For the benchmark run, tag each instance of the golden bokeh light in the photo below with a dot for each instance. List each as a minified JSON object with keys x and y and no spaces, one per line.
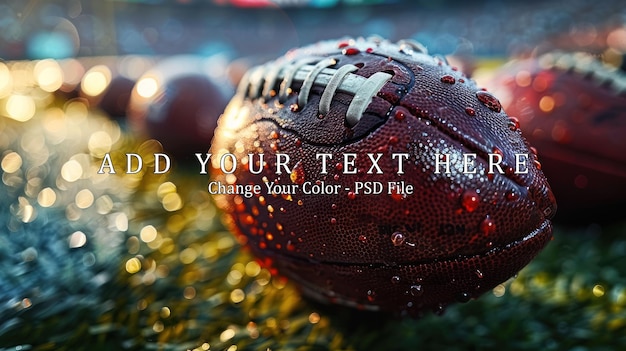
{"x":133,"y":265}
{"x":546,"y":103}
{"x":71,"y":171}
{"x":96,"y":80}
{"x":99,"y":144}
{"x":20,"y":107}
{"x":84,"y":199}
{"x":11,"y":162}
{"x":148,"y":233}
{"x":147,"y":87}
{"x":47,"y":197}
{"x":48,"y":75}
{"x":77,"y":239}
{"x":237,"y":295}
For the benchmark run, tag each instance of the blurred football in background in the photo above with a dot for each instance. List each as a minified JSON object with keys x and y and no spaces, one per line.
{"x":178,"y":102}
{"x":572,"y":108}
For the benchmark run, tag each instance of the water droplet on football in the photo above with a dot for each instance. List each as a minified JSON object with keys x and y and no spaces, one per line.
{"x":479,"y":274}
{"x":470,"y":111}
{"x":297,"y":175}
{"x":416,"y":290}
{"x":448,"y":79}
{"x":399,"y":115}
{"x":371,"y":295}
{"x":513,"y":123}
{"x":489,"y":100}
{"x":470,"y":200}
{"x":511,"y":195}
{"x":351,"y":195}
{"x":362,"y":238}
{"x":351,"y":51}
{"x":398,"y":238}
{"x":487,"y":226}
{"x":395,"y":279}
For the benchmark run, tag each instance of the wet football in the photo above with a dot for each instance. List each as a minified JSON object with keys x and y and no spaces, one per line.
{"x":374,"y":175}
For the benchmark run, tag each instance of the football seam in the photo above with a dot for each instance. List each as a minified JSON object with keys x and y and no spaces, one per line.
{"x":261,"y":81}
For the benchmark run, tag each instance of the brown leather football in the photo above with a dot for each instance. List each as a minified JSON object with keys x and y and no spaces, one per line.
{"x":349,"y":203}
{"x":572,"y":107}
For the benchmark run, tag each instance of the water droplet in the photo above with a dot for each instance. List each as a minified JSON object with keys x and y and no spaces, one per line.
{"x":448,"y":79}
{"x":398,"y":238}
{"x":298,"y":142}
{"x":294,"y":107}
{"x":489,"y":100}
{"x":487,"y":226}
{"x":369,"y":50}
{"x":416,"y":290}
{"x":333,"y":206}
{"x":351,"y":51}
{"x":470,"y":111}
{"x":461,"y":80}
{"x":513,"y":123}
{"x":399,"y":115}
{"x":463,"y":297}
{"x":470,"y":200}
{"x":274,"y":135}
{"x":371,"y":295}
{"x":393,"y":139}
{"x":511,"y":195}
{"x":395,"y":279}
{"x":351,"y":195}
{"x":362,"y":238}
{"x":479,"y":274}
{"x":397,"y":195}
{"x":333,"y":220}
{"x":300,"y":202}
{"x":297,"y":175}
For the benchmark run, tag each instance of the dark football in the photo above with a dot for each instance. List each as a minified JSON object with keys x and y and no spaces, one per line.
{"x":572,"y":107}
{"x":178,"y":103}
{"x":342,"y":140}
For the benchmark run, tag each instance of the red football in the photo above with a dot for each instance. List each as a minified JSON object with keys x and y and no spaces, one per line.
{"x":572,"y":108}
{"x":325,"y":163}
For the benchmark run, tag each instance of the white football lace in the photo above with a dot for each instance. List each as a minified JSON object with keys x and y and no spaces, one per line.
{"x":262,"y":80}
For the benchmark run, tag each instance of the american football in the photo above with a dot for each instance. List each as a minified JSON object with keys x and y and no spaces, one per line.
{"x":581,"y":139}
{"x":379,"y":177}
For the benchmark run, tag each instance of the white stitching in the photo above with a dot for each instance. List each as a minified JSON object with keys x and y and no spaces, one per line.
{"x":333,"y":84}
{"x":291,"y":71}
{"x":310,"y":73}
{"x":303,"y":95}
{"x":364,"y":96}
